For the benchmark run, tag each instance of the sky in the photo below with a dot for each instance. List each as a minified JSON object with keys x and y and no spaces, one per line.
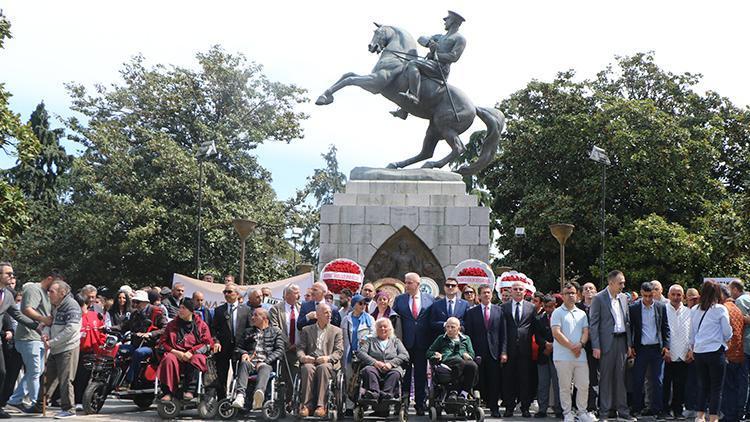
{"x":310,"y":44}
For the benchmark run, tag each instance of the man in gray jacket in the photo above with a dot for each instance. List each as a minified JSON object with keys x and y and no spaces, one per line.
{"x":609,"y":324}
{"x":63,"y":343}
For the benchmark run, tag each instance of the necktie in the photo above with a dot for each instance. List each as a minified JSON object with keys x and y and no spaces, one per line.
{"x":518,"y":312}
{"x":487,"y":317}
{"x":450,"y":308}
{"x":231,"y":318}
{"x":292,"y":326}
{"x":414,"y":310}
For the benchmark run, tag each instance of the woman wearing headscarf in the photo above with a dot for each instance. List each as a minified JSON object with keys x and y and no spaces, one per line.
{"x":185,"y":342}
{"x":383,"y":310}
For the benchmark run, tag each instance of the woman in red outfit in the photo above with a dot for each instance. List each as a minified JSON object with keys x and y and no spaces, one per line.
{"x":185,"y":342}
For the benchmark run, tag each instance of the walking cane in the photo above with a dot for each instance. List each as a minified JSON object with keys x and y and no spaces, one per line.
{"x":44,"y":383}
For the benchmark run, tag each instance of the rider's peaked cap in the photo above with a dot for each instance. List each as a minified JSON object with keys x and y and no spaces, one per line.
{"x":456,"y":15}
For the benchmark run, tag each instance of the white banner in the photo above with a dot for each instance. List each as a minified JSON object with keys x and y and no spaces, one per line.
{"x":214,"y":292}
{"x":721,"y":280}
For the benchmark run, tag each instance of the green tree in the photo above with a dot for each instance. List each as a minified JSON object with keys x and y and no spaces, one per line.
{"x":304,"y":207}
{"x":38,"y":177}
{"x":674,"y":156}
{"x":15,"y":139}
{"x":130,"y":212}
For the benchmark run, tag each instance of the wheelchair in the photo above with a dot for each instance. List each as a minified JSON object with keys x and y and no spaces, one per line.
{"x":205,"y":399}
{"x":273,"y":405}
{"x":391,"y":409}
{"x":457,"y":408}
{"x":334,"y":399}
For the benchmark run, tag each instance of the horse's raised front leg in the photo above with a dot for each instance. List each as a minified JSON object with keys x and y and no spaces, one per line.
{"x":431,"y":139}
{"x":373,"y":82}
{"x":457,"y":148}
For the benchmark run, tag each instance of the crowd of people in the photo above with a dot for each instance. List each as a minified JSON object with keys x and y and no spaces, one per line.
{"x":581,"y":354}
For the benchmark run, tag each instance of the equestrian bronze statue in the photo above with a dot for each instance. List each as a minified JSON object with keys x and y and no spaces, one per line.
{"x":418,"y":85}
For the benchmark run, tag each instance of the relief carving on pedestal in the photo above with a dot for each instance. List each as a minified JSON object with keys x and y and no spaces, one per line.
{"x":401,"y":253}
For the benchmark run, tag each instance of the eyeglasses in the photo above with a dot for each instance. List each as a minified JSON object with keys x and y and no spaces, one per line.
{"x":366,"y":290}
{"x":226,"y":292}
{"x":450,"y":286}
{"x":518,"y":289}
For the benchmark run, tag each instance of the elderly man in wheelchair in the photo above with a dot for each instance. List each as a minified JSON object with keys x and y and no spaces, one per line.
{"x":320,"y":348}
{"x":262,"y":345}
{"x":453,"y":352}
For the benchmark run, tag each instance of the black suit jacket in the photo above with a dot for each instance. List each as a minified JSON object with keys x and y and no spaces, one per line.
{"x":542,"y":335}
{"x":636,"y":323}
{"x":483,"y":339}
{"x":519,"y":335}
{"x":222,"y":330}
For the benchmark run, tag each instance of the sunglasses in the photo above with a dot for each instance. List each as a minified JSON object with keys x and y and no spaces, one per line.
{"x":451,"y":285}
{"x":226,"y":292}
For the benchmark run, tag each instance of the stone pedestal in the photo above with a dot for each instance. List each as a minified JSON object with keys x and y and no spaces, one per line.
{"x":448,"y":222}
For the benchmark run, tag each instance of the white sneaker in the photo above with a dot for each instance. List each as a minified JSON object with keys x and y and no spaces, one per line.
{"x":258,"y":398}
{"x":587,"y":417}
{"x":239,"y":401}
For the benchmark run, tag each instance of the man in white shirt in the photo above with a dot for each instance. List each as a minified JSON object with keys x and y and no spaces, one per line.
{"x":676,"y":366}
{"x":570,"y":330}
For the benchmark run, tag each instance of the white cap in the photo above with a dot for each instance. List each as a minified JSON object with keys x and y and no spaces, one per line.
{"x":126,"y":289}
{"x":140,"y":296}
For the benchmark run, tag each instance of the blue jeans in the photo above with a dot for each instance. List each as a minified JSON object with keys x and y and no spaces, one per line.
{"x":648,"y":358}
{"x":735,"y":385}
{"x":32,"y":355}
{"x":135,"y":361}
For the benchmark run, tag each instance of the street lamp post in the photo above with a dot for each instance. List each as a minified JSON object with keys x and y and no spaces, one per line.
{"x":600,"y":156}
{"x":562,"y":232}
{"x":295,"y":236}
{"x":243,"y":228}
{"x":206,"y":150}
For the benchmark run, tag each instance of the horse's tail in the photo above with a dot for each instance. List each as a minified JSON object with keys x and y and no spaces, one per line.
{"x":495,"y":122}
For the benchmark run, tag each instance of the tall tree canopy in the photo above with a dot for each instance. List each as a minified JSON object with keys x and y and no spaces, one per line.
{"x":130,"y":212}
{"x":18,"y":139}
{"x":676,"y":190}
{"x":304,"y":207}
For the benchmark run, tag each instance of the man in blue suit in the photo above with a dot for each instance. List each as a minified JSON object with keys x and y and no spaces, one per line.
{"x":307,"y":310}
{"x":414,"y":309}
{"x":451,"y":306}
{"x":649,"y":330}
{"x":485,"y":327}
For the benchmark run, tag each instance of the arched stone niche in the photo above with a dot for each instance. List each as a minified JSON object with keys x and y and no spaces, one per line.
{"x":404,"y":252}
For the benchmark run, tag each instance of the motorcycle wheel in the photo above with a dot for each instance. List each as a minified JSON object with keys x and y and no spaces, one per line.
{"x":94,"y":397}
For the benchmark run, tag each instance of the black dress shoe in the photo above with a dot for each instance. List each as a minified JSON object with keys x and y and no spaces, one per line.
{"x":419,"y":410}
{"x":508,"y":414}
{"x":540,"y":415}
{"x":349,"y":413}
{"x":525,"y":414}
{"x":494,"y":413}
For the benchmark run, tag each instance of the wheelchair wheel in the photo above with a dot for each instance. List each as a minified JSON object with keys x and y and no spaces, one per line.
{"x":168,"y":409}
{"x":403,"y":416}
{"x":225,"y":409}
{"x":479,"y":414}
{"x":208,"y":407}
{"x":359,"y":414}
{"x":341,"y":391}
{"x":433,"y":414}
{"x":295,"y":395}
{"x":272,"y":411}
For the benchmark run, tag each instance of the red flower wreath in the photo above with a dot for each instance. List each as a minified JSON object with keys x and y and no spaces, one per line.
{"x":342,"y":273}
{"x":471,"y":275}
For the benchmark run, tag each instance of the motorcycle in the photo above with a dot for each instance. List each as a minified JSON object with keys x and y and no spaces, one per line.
{"x":109,"y":368}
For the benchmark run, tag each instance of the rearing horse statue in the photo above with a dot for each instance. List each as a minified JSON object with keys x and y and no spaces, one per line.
{"x":450,"y":114}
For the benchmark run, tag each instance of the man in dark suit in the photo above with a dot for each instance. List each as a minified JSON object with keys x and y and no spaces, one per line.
{"x":649,"y":329}
{"x":609,"y":324}
{"x":307,"y":310}
{"x":229,"y":323}
{"x":485,"y":326}
{"x":450,"y":306}
{"x":519,"y":328}
{"x":414,"y":309}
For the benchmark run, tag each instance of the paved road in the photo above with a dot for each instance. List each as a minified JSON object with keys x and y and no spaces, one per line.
{"x":125,"y":410}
